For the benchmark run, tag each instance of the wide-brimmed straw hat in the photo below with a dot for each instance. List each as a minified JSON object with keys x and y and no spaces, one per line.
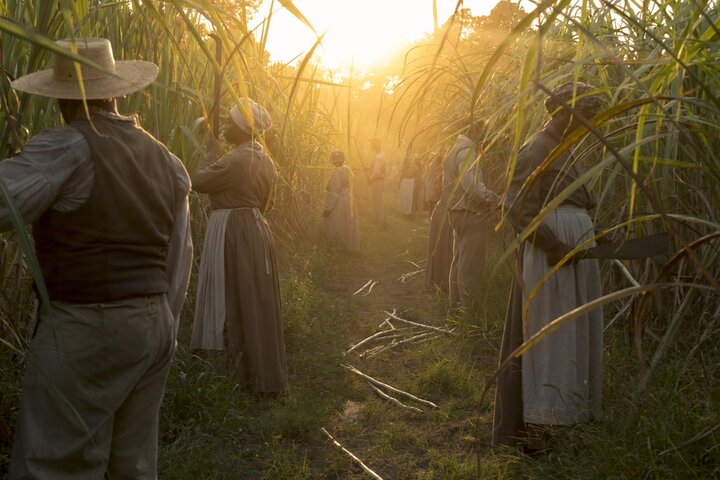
{"x":117,"y":79}
{"x":250,"y":116}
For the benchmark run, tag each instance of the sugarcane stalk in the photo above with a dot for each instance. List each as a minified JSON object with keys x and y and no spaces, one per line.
{"x":421,"y":325}
{"x":382,"y":334}
{"x":402,"y":278}
{"x":620,"y":313}
{"x":347,"y":452}
{"x":626,"y":272}
{"x":389,"y":387}
{"x":394,"y":400}
{"x":416,"y":264}
{"x":426,"y":339}
{"x":371,"y":288}
{"x":401,"y":342}
{"x":370,"y":351}
{"x":215,"y":114}
{"x":363,"y":287}
{"x":387,"y":322}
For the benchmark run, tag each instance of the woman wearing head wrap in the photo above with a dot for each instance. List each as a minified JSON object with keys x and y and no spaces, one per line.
{"x":339,"y":214}
{"x":557,"y":382}
{"x":238,"y":302}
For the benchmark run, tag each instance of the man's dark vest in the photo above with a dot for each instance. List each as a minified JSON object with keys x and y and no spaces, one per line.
{"x":115,"y":245}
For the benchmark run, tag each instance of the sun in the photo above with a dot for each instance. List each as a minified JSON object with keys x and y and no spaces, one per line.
{"x":357,"y":32}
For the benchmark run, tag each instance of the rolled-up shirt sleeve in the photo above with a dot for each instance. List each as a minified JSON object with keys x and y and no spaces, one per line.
{"x":53,"y":170}
{"x":180,"y":250}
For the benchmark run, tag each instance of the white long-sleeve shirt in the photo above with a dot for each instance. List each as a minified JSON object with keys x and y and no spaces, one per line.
{"x":55,"y":170}
{"x":471,"y":193}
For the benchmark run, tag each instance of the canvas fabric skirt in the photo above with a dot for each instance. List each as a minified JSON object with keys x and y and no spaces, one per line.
{"x":208,"y":331}
{"x":562,"y":374}
{"x":407,"y":187}
{"x":559,"y":381}
{"x":252,"y":330}
{"x":341,"y":224}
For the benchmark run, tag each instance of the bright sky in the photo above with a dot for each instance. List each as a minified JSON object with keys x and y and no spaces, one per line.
{"x":364,"y":30}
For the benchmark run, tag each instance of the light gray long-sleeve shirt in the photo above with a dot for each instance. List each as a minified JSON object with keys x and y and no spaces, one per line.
{"x":55,"y":170}
{"x":470,"y":192}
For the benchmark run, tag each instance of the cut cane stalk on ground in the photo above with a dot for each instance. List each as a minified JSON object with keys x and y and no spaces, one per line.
{"x":355,"y":459}
{"x":421,"y":325}
{"x":394,"y":400}
{"x":357,"y":372}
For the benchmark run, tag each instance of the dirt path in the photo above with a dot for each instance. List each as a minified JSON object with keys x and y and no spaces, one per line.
{"x":213,"y":429}
{"x":396,"y":442}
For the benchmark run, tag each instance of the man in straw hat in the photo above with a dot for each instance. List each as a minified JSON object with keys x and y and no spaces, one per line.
{"x":108,"y":205}
{"x":238,"y":304}
{"x":559,"y":380}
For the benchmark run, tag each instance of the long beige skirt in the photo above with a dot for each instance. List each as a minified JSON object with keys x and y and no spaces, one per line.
{"x":562,"y":374}
{"x":238,"y":307}
{"x":341,"y":224}
{"x":254,"y":324}
{"x":407,"y":186}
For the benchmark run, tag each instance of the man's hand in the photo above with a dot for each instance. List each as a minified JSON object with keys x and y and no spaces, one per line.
{"x":558,"y":252}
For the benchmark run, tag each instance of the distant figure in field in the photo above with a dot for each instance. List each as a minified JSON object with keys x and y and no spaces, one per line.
{"x":109,"y":209}
{"x":340,"y":214}
{"x":238,"y":299}
{"x":408,"y":176}
{"x":419,"y":189}
{"x":559,"y":381}
{"x":440,"y":238}
{"x":377,"y":183}
{"x":470,"y":208}
{"x":433,"y":181}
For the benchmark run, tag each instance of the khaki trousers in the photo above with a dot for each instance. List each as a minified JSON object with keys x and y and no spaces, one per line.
{"x":470,"y":235}
{"x":377,"y":190}
{"x":93,"y":384}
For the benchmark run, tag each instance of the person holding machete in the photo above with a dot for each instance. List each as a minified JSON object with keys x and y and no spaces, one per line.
{"x":559,"y":381}
{"x":238,"y":301}
{"x":108,"y":204}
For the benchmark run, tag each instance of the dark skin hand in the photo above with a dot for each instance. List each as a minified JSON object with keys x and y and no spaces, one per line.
{"x":558,"y":252}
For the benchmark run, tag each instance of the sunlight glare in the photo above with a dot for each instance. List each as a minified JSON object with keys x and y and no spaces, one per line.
{"x":363,"y":32}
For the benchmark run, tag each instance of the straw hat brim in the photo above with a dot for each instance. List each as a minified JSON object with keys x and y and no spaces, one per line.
{"x":132,"y":75}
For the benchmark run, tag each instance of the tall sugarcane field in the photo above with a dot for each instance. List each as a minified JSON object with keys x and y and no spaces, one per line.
{"x":411,"y":239}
